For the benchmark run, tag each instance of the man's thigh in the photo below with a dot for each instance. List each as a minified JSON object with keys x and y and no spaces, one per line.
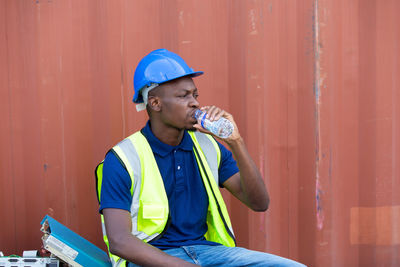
{"x":204,"y":255}
{"x":227,"y":256}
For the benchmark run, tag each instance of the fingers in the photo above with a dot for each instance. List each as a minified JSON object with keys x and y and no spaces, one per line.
{"x":213,"y":113}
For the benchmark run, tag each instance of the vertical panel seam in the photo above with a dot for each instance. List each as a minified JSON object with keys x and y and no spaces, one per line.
{"x":63,"y":154}
{"x":288,"y":150}
{"x":11,"y":125}
{"x":122,"y":70}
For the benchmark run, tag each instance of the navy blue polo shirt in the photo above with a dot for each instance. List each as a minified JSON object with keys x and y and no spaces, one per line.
{"x":187,"y":197}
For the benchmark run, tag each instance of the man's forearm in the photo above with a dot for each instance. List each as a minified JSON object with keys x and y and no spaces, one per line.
{"x":134,"y":250}
{"x":252,"y":185}
{"x":127,"y":246}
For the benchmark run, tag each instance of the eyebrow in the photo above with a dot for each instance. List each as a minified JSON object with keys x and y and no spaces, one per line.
{"x":187,"y":90}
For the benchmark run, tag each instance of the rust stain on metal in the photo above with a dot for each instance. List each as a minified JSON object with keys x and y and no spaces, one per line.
{"x":318,"y":83}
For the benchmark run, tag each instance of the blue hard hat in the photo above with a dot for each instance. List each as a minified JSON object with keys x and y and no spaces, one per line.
{"x":159,"y":66}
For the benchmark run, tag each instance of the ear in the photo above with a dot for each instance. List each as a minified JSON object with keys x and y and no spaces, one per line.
{"x":154,"y":103}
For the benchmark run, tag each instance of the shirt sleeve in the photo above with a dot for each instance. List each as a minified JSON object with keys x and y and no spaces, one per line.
{"x":228,"y":166}
{"x":116,"y":185}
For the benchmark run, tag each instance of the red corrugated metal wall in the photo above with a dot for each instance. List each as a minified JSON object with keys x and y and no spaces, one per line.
{"x":313,"y":86}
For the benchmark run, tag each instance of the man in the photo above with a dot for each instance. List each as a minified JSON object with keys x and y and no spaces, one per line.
{"x":158,"y":188}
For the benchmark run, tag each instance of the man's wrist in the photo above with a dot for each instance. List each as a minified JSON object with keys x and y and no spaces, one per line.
{"x":235,"y":142}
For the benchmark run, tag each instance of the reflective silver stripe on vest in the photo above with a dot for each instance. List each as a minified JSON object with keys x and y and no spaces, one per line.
{"x":134,"y":160}
{"x":132,"y":156}
{"x":210,"y":153}
{"x":120,"y":262}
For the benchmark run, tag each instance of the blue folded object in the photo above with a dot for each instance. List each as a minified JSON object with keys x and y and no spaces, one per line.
{"x":71,"y":247}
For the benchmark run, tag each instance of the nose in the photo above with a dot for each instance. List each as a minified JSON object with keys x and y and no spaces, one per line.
{"x":194,"y":103}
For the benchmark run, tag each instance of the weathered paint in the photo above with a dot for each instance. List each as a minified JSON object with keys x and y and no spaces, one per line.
{"x":375,"y":226}
{"x":318,"y":83}
{"x":313,"y":86}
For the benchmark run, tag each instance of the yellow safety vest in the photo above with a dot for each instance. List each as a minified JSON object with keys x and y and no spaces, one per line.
{"x":149,"y":208}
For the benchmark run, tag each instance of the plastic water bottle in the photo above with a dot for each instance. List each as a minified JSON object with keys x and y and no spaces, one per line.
{"x":222,"y":128}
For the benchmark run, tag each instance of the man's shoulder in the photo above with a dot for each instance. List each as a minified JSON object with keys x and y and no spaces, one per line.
{"x":130,"y":138}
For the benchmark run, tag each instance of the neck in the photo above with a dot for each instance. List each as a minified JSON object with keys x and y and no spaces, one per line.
{"x":166,"y":134}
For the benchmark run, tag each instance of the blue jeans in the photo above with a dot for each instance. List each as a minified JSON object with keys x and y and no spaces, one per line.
{"x":204,"y":255}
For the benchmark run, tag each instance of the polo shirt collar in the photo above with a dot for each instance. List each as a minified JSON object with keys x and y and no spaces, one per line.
{"x":163,"y":149}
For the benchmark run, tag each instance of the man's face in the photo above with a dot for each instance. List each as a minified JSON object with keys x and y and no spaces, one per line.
{"x":178,"y":103}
